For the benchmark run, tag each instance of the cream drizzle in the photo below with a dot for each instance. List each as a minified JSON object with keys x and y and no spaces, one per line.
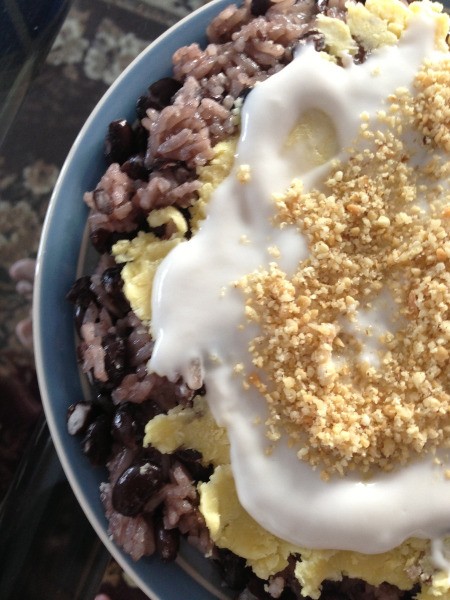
{"x":197,"y":314}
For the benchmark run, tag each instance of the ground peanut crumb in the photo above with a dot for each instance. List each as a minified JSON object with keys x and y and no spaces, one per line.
{"x":432,"y":106}
{"x":378,"y":235}
{"x":243,"y":174}
{"x":274,"y":251}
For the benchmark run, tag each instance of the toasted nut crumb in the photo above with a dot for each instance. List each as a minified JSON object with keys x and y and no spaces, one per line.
{"x":350,"y":414}
{"x":243,"y":174}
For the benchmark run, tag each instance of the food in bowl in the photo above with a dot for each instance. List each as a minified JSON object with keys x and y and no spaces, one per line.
{"x":266,"y":331}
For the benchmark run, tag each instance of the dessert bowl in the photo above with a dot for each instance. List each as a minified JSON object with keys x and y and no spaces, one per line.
{"x":231,"y":502}
{"x":62,"y":257}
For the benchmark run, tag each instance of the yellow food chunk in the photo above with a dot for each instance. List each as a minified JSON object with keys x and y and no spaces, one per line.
{"x":192,"y":428}
{"x":168,"y":214}
{"x":338,"y":39}
{"x":369,"y":29}
{"x":312,"y":141}
{"x":232,"y":527}
{"x":442,"y":20}
{"x":394,"y":12}
{"x":378,"y":23}
{"x":142,"y":256}
{"x":318,"y":565}
{"x":400,"y":566}
{"x":381,"y":22}
{"x":439,"y":588}
{"x":211,"y":175}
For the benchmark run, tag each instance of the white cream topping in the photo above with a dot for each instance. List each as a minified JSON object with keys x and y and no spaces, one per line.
{"x":198,"y":315}
{"x":370,"y":324}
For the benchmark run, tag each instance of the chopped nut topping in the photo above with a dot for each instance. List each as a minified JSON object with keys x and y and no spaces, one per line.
{"x":432,"y":110}
{"x":274,"y":251}
{"x":379,"y":227}
{"x":243,"y":174}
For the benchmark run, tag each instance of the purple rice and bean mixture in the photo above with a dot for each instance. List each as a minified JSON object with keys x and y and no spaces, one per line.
{"x":151,"y":499}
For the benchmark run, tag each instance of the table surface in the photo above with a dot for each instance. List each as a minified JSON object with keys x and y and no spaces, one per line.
{"x":98,"y":39}
{"x":48,"y":550}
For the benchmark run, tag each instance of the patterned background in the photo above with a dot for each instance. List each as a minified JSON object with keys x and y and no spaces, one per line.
{"x":98,"y":39}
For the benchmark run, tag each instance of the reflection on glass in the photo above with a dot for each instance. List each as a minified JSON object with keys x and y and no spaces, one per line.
{"x":27,"y":30}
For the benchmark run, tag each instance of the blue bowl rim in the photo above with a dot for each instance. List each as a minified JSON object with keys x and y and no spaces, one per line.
{"x":184,"y":571}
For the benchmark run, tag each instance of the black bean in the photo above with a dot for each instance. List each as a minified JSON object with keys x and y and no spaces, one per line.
{"x":81,"y":296}
{"x":101,"y":239}
{"x":159,"y":95}
{"x":233,"y":569}
{"x":288,"y":594}
{"x":79,"y":417}
{"x":322,"y":6}
{"x":140,"y":138}
{"x":119,"y":141}
{"x":112,"y":280}
{"x":96,"y":443}
{"x":159,"y":231}
{"x":346,"y":589}
{"x":168,"y":394}
{"x":292,"y":590}
{"x":102,"y":402}
{"x":188,"y":455}
{"x":124,"y":426}
{"x":141,"y":107}
{"x":114,"y":347}
{"x":360,"y":56}
{"x":315,"y":37}
{"x":79,"y":313}
{"x":147,"y":410}
{"x":191,"y":459}
{"x":412,"y":593}
{"x":135,"y":168}
{"x":80,"y":292}
{"x":256,"y":587}
{"x":154,"y":456}
{"x":244,"y":93}
{"x":259,"y":8}
{"x":167,"y":541}
{"x":112,"y":283}
{"x":128,"y":427}
{"x":162,"y":91}
{"x":135,"y":487}
{"x":332,"y":595}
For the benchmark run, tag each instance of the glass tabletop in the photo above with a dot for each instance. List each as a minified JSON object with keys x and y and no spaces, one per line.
{"x":48,"y":549}
{"x":47,"y":90}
